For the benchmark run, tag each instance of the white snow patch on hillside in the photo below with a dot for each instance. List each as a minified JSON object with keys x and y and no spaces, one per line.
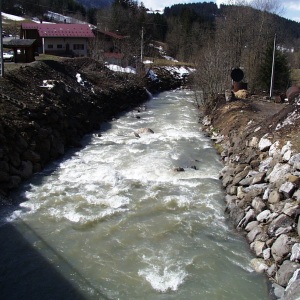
{"x":117,"y":68}
{"x":11,"y":17}
{"x":179,"y":72}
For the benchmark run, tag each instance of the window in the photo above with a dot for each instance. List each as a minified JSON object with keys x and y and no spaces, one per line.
{"x":78,"y":47}
{"x":50,"y":46}
{"x":59,"y":46}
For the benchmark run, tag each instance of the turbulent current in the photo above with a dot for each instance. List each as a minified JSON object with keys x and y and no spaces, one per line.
{"x":119,"y":219}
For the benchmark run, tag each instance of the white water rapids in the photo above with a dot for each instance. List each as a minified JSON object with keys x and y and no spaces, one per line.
{"x":116,"y":221}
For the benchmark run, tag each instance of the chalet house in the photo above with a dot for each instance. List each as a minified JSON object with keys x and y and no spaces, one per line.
{"x":59,"y":39}
{"x":112,"y":46}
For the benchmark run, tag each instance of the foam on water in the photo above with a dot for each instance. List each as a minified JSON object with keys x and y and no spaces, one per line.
{"x":164,"y":273}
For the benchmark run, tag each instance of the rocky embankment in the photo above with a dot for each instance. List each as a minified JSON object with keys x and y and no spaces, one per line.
{"x":261,"y":176}
{"x":47,"y":107}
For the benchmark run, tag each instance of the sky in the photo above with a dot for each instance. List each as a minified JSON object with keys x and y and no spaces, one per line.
{"x":289,"y":9}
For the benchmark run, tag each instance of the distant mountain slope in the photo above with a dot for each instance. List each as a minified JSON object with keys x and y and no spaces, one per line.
{"x":95,"y":3}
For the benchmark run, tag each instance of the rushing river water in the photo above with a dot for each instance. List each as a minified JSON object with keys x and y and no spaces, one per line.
{"x":116,"y":221}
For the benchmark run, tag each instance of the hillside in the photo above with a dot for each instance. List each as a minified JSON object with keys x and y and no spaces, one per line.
{"x":95,"y":3}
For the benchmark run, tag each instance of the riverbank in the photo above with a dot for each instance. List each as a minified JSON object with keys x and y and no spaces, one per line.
{"x":47,"y":106}
{"x":258,"y":142}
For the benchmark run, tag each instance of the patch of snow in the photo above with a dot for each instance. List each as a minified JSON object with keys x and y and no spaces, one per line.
{"x":148,"y":62}
{"x":79,"y":79}
{"x":84,"y":83}
{"x":37,"y":20}
{"x":48,"y":84}
{"x":179,"y":72}
{"x":12,"y":17}
{"x":169,"y":58}
{"x":117,"y":68}
{"x":290,"y":120}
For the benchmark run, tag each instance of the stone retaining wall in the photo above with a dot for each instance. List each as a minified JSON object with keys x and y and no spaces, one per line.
{"x":48,"y":130}
{"x":262,"y":183}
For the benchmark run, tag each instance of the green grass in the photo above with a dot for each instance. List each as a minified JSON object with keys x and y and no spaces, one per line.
{"x":295,"y":76}
{"x":49,"y":57}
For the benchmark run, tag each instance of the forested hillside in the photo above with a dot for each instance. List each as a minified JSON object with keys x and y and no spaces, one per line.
{"x":95,"y":3}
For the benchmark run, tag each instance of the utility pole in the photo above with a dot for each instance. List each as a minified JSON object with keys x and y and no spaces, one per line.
{"x":142,"y":44}
{"x":1,"y":44}
{"x":273,"y":67}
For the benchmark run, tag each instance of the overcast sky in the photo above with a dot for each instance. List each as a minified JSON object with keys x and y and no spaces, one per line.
{"x":290,"y":8}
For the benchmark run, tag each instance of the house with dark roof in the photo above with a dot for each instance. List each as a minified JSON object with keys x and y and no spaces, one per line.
{"x":23,"y":49}
{"x":59,"y":39}
{"x":112,"y":46}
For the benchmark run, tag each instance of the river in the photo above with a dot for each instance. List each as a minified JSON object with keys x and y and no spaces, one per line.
{"x":116,"y":220}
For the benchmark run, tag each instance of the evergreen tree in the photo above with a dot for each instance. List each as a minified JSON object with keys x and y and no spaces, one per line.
{"x":281,"y":70}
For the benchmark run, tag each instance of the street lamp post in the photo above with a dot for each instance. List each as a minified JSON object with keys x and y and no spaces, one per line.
{"x":273,"y":67}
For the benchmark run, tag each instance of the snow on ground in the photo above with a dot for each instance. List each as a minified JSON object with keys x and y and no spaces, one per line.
{"x":11,"y":17}
{"x":116,"y":68}
{"x":291,"y":117}
{"x":179,"y":72}
{"x":169,"y":58}
{"x":290,"y":120}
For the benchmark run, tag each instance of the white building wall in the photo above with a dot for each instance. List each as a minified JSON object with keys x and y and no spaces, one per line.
{"x":78,"y":46}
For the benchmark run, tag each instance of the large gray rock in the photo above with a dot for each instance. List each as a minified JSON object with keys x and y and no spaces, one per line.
{"x":14,"y":182}
{"x":295,"y":252}
{"x":26,"y":169}
{"x":236,"y":214}
{"x":281,"y":247}
{"x":296,"y":195}
{"x":254,"y":233}
{"x":287,"y":189}
{"x":265,"y":165}
{"x":144,"y":131}
{"x":264,"y":144}
{"x":279,"y":172}
{"x":259,"y":178}
{"x":249,"y":216}
{"x":294,"y":159}
{"x":291,"y":209}
{"x":251,"y":225}
{"x":279,"y":223}
{"x":292,"y":291}
{"x":254,"y":142}
{"x":274,"y":197}
{"x":258,"y":204}
{"x":241,"y":175}
{"x":274,"y":149}
{"x":285,"y":272}
{"x":263,"y":216}
{"x":259,"y":265}
{"x":31,"y":156}
{"x":258,"y":247}
{"x":246,"y":181}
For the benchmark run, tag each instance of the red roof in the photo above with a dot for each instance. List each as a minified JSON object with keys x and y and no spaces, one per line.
{"x":60,"y":30}
{"x":112,"y":34}
{"x":113,"y":55}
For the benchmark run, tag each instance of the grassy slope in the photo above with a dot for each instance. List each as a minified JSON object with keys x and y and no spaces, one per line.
{"x":295,"y":76}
